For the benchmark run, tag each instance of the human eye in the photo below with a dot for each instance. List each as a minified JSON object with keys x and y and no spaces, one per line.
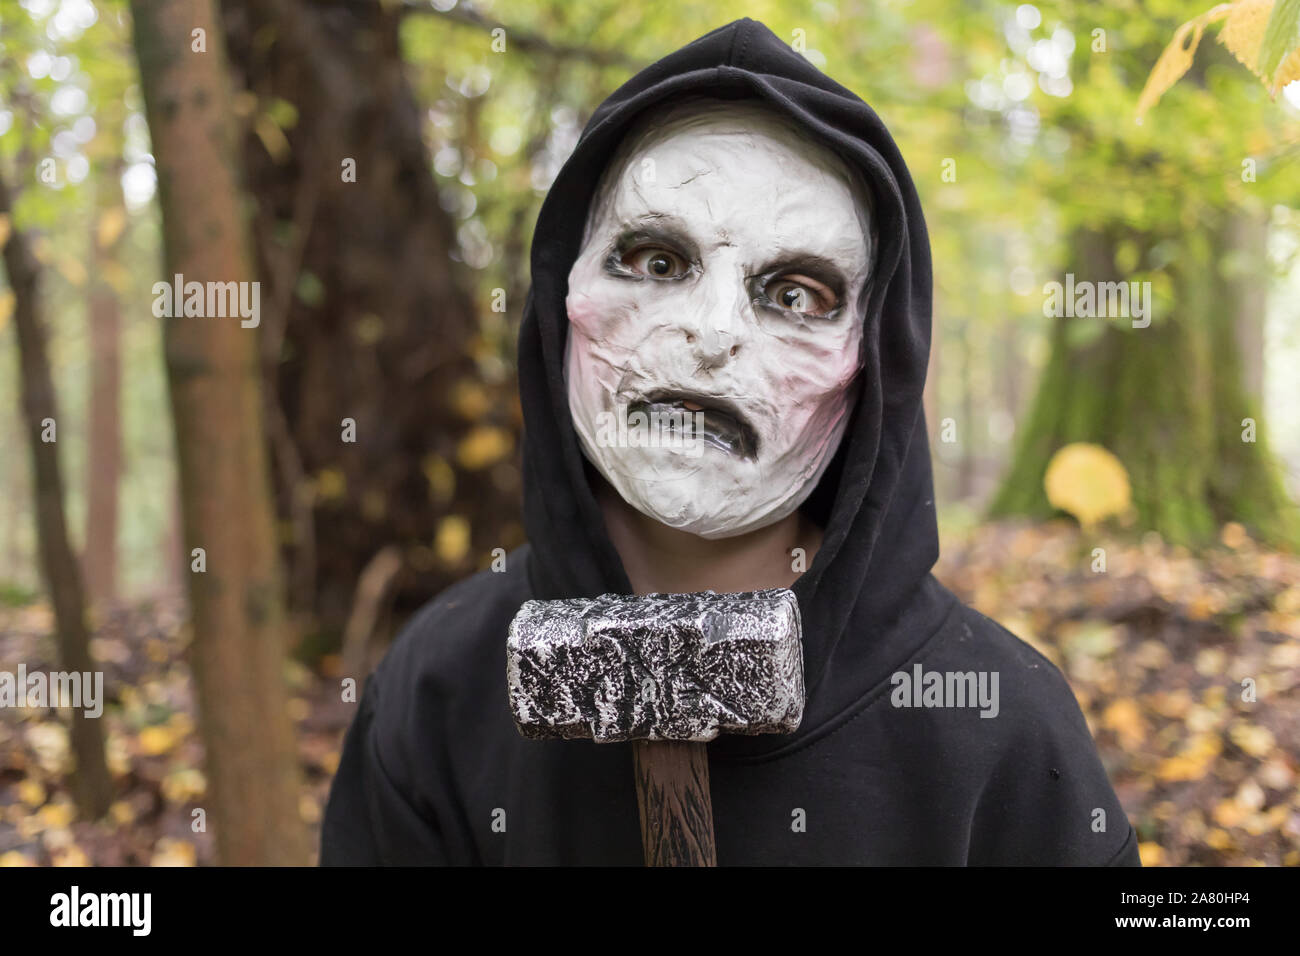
{"x":801,"y":294}
{"x":655,"y":261}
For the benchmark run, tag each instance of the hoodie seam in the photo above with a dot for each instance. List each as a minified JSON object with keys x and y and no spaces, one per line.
{"x":740,"y":45}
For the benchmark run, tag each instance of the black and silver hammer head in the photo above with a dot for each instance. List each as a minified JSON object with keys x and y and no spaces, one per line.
{"x":658,"y":666}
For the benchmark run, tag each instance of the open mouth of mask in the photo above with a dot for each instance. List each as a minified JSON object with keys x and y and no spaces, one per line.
{"x":714,"y":423}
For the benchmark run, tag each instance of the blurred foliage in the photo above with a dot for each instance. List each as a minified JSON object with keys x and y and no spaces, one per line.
{"x":70,"y":112}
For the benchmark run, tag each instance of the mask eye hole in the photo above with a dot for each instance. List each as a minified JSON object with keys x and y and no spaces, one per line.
{"x":655,"y":261}
{"x":802,"y":294}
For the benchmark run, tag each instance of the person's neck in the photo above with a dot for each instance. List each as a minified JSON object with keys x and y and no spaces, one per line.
{"x":658,"y":558}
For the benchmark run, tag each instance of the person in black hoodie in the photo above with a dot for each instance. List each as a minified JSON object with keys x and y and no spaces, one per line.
{"x":887,"y":767}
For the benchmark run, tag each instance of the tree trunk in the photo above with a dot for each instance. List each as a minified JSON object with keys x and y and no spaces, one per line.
{"x":238,"y":650}
{"x":104,"y":458}
{"x":1167,"y":400}
{"x":92,"y":787}
{"x":1247,"y":278}
{"x":371,"y":317}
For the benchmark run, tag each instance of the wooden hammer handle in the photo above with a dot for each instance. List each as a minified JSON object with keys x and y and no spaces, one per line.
{"x":672,"y":794}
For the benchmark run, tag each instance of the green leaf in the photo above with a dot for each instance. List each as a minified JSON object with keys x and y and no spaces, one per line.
{"x":1280,"y":36}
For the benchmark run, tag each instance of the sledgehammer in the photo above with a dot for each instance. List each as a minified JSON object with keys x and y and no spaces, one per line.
{"x":667,"y":672}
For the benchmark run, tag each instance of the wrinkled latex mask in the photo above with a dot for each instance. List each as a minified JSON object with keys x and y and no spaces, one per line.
{"x":715,"y":314}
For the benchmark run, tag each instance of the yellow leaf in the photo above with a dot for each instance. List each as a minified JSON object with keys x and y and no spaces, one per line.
{"x":1287,"y":72}
{"x":1255,"y":740}
{"x":1233,"y":536}
{"x":470,"y":399}
{"x":110,"y":226}
{"x":273,"y":138}
{"x":1243,"y":33}
{"x":452,"y":540}
{"x":182,"y":786}
{"x":1177,"y":57}
{"x":1216,"y":839}
{"x":170,"y":852}
{"x":1152,"y":854}
{"x":71,"y":856}
{"x":1172,"y":704}
{"x":31,"y":792}
{"x":122,"y":813}
{"x":1228,"y":813}
{"x":1210,"y":662}
{"x":484,"y":446}
{"x":1200,"y":607}
{"x":1088,"y":482}
{"x":331,"y":483}
{"x":156,"y":740}
{"x":1195,"y":759}
{"x":14,"y":858}
{"x":57,"y":814}
{"x":1124,"y":717}
{"x":442,"y":479}
{"x":1243,"y":30}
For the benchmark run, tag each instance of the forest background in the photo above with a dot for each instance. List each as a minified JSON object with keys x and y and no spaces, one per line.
{"x":231,"y":523}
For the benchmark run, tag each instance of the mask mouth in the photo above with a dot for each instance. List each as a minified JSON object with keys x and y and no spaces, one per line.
{"x":724,"y":424}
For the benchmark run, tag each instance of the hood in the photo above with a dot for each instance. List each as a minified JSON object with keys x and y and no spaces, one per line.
{"x":868,"y":590}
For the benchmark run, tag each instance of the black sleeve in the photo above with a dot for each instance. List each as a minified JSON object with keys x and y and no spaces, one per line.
{"x":368,"y":820}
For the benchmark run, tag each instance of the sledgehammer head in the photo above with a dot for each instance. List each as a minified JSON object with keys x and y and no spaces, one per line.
{"x":658,"y":666}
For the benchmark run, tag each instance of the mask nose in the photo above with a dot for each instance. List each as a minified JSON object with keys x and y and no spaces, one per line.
{"x":713,"y":330}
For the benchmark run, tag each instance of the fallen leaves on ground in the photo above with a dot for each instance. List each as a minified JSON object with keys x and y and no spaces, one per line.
{"x":1185,"y":666}
{"x":1163,"y":649}
{"x":155,"y":754}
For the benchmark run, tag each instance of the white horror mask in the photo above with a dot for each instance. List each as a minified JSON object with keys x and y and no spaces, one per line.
{"x":715,"y":314}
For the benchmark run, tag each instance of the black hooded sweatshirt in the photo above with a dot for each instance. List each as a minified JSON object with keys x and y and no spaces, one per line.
{"x":433,"y":770}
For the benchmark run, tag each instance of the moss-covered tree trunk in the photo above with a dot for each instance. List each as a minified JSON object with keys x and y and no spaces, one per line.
{"x":214,"y":376}
{"x":1167,"y":399}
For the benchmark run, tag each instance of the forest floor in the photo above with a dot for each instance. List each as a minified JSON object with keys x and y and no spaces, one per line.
{"x":1185,"y":666}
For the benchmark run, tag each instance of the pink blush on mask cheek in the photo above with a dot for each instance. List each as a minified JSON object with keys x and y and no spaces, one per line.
{"x":584,"y":313}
